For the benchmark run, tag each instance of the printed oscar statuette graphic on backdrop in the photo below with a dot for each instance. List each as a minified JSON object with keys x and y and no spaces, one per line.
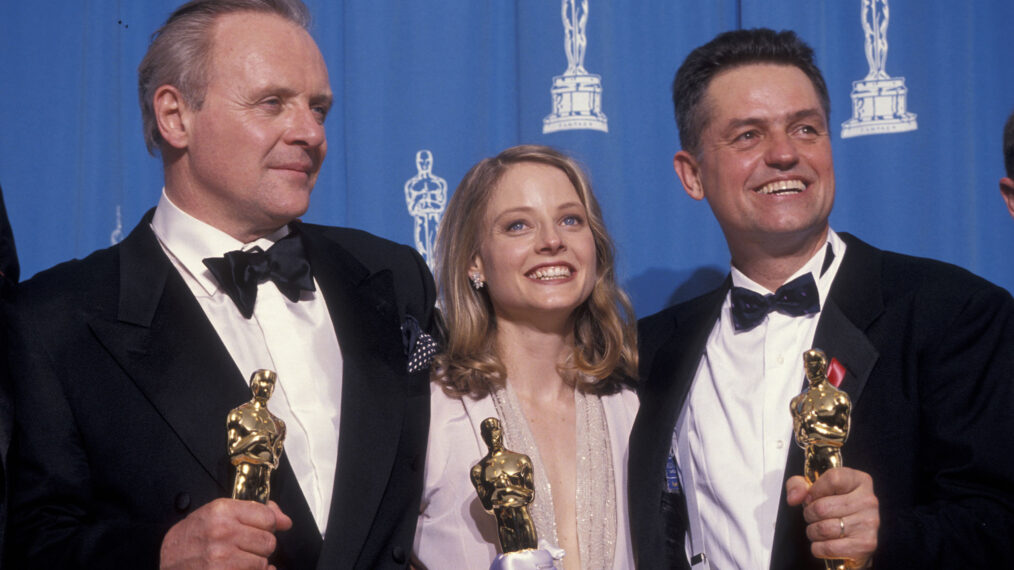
{"x":426,"y":196}
{"x":504,"y":481}
{"x":821,"y":417}
{"x":878,"y":100}
{"x":577,"y":94}
{"x":255,"y":440}
{"x":117,"y":234}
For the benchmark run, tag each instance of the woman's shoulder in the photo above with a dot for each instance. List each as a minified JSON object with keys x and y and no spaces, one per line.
{"x":454,"y":422}
{"x":620,"y":409}
{"x":625,"y":398}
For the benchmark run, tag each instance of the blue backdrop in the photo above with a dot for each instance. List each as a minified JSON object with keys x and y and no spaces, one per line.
{"x":464,"y":79}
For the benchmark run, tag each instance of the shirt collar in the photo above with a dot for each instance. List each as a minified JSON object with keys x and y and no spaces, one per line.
{"x":813,"y":265}
{"x":190,"y":241}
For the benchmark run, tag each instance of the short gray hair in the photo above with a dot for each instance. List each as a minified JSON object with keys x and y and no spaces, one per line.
{"x":180,"y":52}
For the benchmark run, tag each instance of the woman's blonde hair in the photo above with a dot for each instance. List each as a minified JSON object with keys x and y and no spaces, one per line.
{"x":605,"y":334}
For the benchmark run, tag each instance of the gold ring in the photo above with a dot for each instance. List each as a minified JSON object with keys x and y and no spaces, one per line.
{"x":841,"y":524}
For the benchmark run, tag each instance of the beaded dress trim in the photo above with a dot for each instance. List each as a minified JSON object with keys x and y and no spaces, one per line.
{"x":596,"y":493}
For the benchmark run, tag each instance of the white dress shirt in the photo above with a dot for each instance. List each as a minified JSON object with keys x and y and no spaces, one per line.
{"x":736,"y":428}
{"x":296,"y":340}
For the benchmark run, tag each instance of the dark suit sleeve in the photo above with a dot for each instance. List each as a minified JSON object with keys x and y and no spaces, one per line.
{"x":418,"y":293}
{"x":961,"y":373}
{"x":58,"y":519}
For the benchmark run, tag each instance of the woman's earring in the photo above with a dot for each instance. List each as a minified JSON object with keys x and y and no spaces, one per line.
{"x":477,"y":282}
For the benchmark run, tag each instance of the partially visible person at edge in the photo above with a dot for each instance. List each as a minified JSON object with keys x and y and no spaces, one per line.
{"x":540,"y":336}
{"x":1007,"y":182}
{"x":9,"y":273}
{"x":125,"y":364}
{"x":925,"y":349}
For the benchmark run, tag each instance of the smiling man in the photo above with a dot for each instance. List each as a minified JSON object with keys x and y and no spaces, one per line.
{"x":923,"y":348}
{"x":127,"y":363}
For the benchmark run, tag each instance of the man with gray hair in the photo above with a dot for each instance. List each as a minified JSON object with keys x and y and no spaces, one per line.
{"x":125,"y":364}
{"x":1007,"y":182}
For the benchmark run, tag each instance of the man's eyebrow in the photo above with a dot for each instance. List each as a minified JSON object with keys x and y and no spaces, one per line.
{"x":806,"y":114}
{"x":326,"y":99}
{"x":791,"y":118}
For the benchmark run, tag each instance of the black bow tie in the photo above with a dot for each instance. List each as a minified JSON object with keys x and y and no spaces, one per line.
{"x":239,"y":272}
{"x":796,"y":298}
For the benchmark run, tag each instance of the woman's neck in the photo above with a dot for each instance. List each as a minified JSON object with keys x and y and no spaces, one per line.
{"x":533,"y":358}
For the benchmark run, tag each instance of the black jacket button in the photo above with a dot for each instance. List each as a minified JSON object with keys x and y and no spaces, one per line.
{"x":182,"y":502}
{"x":398,"y":553}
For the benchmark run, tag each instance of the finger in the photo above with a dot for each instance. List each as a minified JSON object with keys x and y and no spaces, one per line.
{"x":858,"y":525}
{"x":828,"y":529}
{"x":235,"y":527}
{"x":795,"y":490}
{"x":861,"y":503}
{"x":282,"y":521}
{"x":839,"y":481}
{"x":253,"y":514}
{"x":260,"y":543}
{"x":853,"y":537}
{"x":228,"y":556}
{"x":856,"y":549}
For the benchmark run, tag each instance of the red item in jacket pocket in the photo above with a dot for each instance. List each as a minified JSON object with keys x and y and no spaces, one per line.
{"x":835,"y":372}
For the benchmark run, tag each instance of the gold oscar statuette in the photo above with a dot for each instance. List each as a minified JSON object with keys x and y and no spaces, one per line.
{"x":503,"y":480}
{"x":821,"y":417}
{"x":255,"y":440}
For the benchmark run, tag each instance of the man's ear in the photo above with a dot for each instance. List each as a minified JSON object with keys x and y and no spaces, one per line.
{"x":172,"y":116}
{"x":687,"y":169}
{"x":1007,"y":189}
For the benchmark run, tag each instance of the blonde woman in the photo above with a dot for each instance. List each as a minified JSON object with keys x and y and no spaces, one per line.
{"x":539,"y":335}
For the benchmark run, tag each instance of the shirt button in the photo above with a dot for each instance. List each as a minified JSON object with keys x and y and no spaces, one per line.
{"x":779,"y":444}
{"x":780,"y":359}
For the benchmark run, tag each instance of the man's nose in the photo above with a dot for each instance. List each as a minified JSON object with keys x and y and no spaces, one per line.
{"x":781,"y":151}
{"x":307,"y":128}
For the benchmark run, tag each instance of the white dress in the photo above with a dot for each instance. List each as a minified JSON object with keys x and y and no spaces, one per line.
{"x":454,"y":531}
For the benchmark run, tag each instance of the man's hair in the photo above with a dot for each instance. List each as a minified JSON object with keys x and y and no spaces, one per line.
{"x":1008,"y":146}
{"x":727,"y":51}
{"x":180,"y":52}
{"x":605,"y":336}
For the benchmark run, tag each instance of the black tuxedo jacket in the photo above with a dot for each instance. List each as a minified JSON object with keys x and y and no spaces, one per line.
{"x":929,"y":354}
{"x":122,"y":388}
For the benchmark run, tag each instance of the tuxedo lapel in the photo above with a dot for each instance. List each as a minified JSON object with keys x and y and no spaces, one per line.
{"x":677,"y":360}
{"x":839,"y":338}
{"x":665,"y":384}
{"x":164,"y":342}
{"x":168,"y":348}
{"x":367,"y":325}
{"x":854,"y":302}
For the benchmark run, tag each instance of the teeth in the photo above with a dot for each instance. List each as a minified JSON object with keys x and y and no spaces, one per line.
{"x":555,"y":272}
{"x":782,"y":186}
